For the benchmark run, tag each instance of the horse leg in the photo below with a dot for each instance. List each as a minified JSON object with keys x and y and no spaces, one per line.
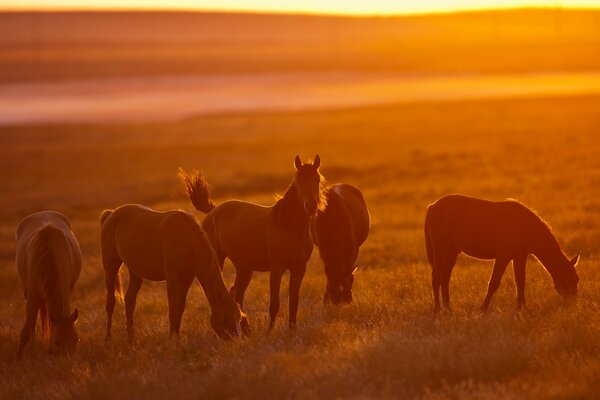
{"x":296,"y":276}
{"x":242,"y":280}
{"x":44,"y":320}
{"x":436,"y":282}
{"x":274,"y":284}
{"x":177,"y":290}
{"x":135,"y":283}
{"x":499,"y":268}
{"x":519,"y":268}
{"x":327,"y":296}
{"x":446,"y":272}
{"x":111,"y":270}
{"x":31,"y":313}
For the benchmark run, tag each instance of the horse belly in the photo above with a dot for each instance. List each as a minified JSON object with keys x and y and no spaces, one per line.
{"x":146,"y":264}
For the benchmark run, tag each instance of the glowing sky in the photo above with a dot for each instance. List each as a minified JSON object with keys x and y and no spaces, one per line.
{"x":360,"y":7}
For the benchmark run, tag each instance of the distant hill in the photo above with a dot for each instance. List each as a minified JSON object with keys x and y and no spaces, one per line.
{"x":73,"y":45}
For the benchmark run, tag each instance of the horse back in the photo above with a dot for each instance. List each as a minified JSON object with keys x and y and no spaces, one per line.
{"x":239,"y":230}
{"x":480,"y":228}
{"x":47,"y":249}
{"x":354,"y":208}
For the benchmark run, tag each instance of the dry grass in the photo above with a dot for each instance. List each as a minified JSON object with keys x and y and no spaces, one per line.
{"x":387,"y":344}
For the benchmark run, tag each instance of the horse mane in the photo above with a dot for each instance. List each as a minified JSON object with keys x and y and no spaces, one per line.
{"x":542,"y":223}
{"x":204,"y":240}
{"x":323,"y":190}
{"x":197,"y":190}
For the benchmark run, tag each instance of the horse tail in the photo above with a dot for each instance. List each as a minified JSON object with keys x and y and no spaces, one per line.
{"x":104,"y":216}
{"x":197,"y":190}
{"x":428,"y":243}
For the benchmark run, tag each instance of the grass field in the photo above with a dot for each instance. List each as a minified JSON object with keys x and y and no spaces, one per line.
{"x":388,"y":343}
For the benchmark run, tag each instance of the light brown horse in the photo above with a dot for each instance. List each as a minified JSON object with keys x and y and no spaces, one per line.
{"x":338,"y":231}
{"x":48,"y":260}
{"x":260,"y":238}
{"x":164,"y":246}
{"x":504,"y":231}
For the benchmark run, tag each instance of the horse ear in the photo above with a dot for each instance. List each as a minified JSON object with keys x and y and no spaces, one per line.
{"x":574,"y":261}
{"x":317,"y":161}
{"x":297,"y":162}
{"x":75,"y":315}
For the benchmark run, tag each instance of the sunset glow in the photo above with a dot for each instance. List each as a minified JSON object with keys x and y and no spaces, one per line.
{"x":351,"y":7}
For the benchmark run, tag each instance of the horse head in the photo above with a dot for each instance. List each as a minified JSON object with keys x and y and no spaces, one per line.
{"x":566,"y":285}
{"x":308,"y":182}
{"x":230,"y":322}
{"x":63,"y":337}
{"x":339,"y":287}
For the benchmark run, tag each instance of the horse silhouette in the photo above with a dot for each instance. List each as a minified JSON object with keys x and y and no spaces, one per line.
{"x":504,"y":231}
{"x":48,"y":260}
{"x":338,"y":231}
{"x":260,"y":238}
{"x":164,"y":246}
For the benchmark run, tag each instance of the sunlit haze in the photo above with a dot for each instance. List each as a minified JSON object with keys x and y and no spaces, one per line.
{"x":354,"y":7}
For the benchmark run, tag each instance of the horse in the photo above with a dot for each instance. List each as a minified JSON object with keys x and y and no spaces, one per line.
{"x":338,"y":231}
{"x":504,"y":231}
{"x":260,"y":238}
{"x":164,"y":246}
{"x":48,"y":260}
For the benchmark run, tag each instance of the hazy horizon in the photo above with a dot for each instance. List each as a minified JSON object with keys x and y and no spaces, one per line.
{"x":352,"y":9}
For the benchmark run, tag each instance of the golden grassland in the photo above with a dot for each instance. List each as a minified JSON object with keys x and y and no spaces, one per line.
{"x":388,"y":343}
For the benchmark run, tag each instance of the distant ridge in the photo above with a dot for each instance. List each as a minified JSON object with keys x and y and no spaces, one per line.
{"x":85,"y":45}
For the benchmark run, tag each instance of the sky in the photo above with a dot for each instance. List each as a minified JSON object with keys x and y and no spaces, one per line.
{"x":352,"y":7}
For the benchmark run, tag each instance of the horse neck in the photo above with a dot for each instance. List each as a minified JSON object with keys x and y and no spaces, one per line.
{"x":50,"y":267}
{"x":290,"y":214}
{"x":548,"y":251}
{"x":210,"y":277}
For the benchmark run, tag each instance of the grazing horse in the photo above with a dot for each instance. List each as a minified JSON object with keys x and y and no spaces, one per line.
{"x":259,"y":238}
{"x":48,"y":261}
{"x":338,"y":231}
{"x":164,"y":246}
{"x":504,"y":231}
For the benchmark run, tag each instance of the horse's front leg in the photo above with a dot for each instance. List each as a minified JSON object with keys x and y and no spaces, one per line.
{"x":499,"y":268}
{"x":296,"y":276}
{"x":274,"y":284}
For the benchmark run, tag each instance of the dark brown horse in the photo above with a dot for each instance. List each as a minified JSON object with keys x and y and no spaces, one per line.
{"x":260,"y":238}
{"x":338,"y":231}
{"x":504,"y":231}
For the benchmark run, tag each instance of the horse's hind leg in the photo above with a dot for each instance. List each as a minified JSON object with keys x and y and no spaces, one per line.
{"x":499,"y":268}
{"x":177,"y":290}
{"x":135,"y":283}
{"x":436,"y":281}
{"x":296,"y":276}
{"x":111,"y":271}
{"x":519,"y":268}
{"x":29,"y":326}
{"x":242,"y":280}
{"x":446,"y":272}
